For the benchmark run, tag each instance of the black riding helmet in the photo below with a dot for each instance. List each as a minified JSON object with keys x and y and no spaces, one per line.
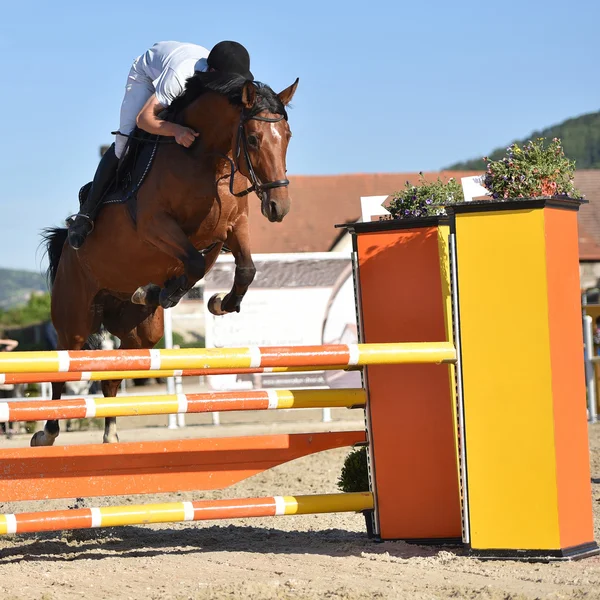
{"x":230,"y":57}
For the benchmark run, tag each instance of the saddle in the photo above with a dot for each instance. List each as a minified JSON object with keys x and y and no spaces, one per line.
{"x":134,"y":166}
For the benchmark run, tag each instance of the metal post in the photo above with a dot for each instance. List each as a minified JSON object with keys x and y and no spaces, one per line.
{"x":179,"y":390}
{"x":169,"y":344}
{"x":459,"y":392}
{"x":588,"y":338}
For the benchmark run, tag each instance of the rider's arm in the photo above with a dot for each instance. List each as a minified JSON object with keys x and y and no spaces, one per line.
{"x":148,"y":120}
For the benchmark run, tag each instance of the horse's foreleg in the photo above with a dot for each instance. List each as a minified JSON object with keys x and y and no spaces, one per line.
{"x":238,"y":242}
{"x":137,"y":327}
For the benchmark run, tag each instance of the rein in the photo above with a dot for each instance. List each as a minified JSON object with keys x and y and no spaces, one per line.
{"x":241,"y":145}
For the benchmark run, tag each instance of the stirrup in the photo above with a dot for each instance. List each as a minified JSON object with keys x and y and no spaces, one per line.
{"x":71,"y":220}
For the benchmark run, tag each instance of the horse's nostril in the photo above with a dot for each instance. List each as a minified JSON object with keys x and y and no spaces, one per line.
{"x":273,"y":207}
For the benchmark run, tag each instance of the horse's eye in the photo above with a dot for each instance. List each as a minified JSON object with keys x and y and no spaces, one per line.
{"x":253,"y":141}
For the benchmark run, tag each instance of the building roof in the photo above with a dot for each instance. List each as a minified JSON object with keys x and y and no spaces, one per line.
{"x":588,"y":183}
{"x":319,"y":202}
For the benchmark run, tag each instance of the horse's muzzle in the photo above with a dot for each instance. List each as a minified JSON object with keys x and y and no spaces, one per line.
{"x":275,"y":208}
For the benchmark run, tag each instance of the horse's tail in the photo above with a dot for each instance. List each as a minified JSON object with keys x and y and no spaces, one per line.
{"x":55,"y":238}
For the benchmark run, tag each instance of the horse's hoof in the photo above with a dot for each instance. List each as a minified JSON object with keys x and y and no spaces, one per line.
{"x":110,"y":439}
{"x":41,"y":439}
{"x":146,"y":295}
{"x":215,"y":305}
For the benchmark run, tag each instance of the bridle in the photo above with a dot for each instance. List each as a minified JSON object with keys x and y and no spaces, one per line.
{"x":242,"y":146}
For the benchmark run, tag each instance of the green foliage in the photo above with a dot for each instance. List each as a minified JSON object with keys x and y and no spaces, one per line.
{"x":16,"y":286}
{"x":36,"y":310}
{"x":425,"y":199}
{"x":580,"y":138}
{"x":537,"y":169}
{"x":355,"y":473}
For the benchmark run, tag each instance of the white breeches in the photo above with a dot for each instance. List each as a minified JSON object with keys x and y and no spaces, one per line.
{"x":137,"y":91}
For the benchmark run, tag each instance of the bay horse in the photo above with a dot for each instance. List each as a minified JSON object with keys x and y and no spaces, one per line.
{"x":191,"y":203}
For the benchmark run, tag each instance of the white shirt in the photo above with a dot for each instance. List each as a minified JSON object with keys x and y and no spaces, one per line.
{"x":168,"y":65}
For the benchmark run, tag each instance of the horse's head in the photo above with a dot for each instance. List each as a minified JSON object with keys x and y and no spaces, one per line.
{"x":261,"y":143}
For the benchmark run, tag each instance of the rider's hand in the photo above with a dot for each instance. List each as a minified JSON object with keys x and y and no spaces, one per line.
{"x":185,"y":136}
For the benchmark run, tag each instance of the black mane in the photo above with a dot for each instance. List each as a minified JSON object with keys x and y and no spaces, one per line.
{"x":231,"y":87}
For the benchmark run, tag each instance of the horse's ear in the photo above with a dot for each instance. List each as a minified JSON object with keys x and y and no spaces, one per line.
{"x":287,"y":94}
{"x":248,"y":94}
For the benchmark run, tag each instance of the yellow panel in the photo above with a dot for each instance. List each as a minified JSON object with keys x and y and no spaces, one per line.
{"x":29,"y":362}
{"x":406,"y":353}
{"x":144,"y":513}
{"x":213,"y":358}
{"x":136,"y":405}
{"x":507,"y":380}
{"x":328,"y":503}
{"x":3,"y":525}
{"x":320,"y":398}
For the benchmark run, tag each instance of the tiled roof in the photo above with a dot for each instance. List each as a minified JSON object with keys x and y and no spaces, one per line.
{"x":588,"y":183}
{"x":320,"y":202}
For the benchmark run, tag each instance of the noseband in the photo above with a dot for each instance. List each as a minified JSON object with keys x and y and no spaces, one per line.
{"x":242,"y":146}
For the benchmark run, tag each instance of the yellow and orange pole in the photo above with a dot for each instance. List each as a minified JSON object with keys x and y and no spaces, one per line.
{"x":174,"y":512}
{"x":227,"y":358}
{"x":128,"y":406}
{"x":18,"y":378}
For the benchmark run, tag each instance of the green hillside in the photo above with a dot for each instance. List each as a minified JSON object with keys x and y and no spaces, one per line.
{"x":16,"y":286}
{"x":580,"y":138}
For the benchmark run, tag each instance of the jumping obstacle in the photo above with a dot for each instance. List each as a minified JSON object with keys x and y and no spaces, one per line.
{"x":476,"y":433}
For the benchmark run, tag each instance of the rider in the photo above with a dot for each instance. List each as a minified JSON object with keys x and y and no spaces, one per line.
{"x":156,"y":78}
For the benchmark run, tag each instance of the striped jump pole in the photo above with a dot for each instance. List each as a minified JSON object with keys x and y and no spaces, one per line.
{"x":16,"y":378}
{"x":175,"y":512}
{"x":230,"y":358}
{"x":128,"y":406}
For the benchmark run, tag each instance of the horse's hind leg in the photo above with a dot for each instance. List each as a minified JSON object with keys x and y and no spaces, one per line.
{"x":51,"y":428}
{"x":75,"y":317}
{"x":137,"y":327}
{"x":109,"y":389}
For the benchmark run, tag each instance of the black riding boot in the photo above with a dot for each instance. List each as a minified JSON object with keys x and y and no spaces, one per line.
{"x":83,"y":223}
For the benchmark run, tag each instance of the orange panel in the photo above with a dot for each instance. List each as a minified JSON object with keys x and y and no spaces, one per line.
{"x":153,"y":467}
{"x":410,"y":406}
{"x":568,"y":379}
{"x":304,"y":356}
{"x":80,"y":518}
{"x":137,"y":360}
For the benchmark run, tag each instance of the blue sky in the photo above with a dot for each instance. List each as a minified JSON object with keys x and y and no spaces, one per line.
{"x":385,"y":86}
